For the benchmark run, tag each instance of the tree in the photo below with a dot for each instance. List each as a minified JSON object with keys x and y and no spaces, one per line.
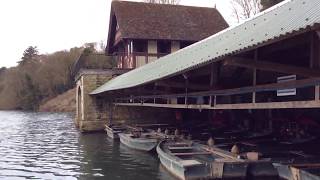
{"x":2,"y":70}
{"x":89,"y":48}
{"x":244,"y":9}
{"x":30,"y":95}
{"x":29,"y":55}
{"x":163,"y":1}
{"x":269,"y":3}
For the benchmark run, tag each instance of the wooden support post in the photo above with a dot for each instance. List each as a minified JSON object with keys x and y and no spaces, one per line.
{"x":317,"y":97}
{"x":111,"y":114}
{"x":255,"y":76}
{"x":154,"y":93}
{"x":211,"y":82}
{"x":213,"y":79}
{"x":315,"y":58}
{"x":186,"y":89}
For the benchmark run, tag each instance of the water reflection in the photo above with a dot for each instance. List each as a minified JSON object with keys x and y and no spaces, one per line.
{"x":47,"y":146}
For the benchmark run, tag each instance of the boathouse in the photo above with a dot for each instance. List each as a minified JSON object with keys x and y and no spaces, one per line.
{"x":139,"y":34}
{"x":263,"y":74}
{"x":270,"y":61}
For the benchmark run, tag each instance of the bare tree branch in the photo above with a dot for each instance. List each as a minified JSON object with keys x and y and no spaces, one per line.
{"x":244,"y":9}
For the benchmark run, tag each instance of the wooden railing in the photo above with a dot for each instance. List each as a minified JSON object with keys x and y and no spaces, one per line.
{"x":136,"y":59}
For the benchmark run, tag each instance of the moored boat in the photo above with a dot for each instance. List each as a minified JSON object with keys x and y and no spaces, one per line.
{"x":143,"y":142}
{"x":192,"y":161}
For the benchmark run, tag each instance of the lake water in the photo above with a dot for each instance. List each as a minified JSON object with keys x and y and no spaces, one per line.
{"x":48,"y":146}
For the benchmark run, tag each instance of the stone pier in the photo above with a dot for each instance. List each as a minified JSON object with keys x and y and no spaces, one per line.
{"x":93,"y":112}
{"x":89,"y":109}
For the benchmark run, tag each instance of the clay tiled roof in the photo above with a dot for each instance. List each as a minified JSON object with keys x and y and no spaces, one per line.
{"x":139,"y":20}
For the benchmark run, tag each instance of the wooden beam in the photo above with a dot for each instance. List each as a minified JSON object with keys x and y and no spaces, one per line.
{"x":213,"y":78}
{"x":243,"y":90}
{"x":272,"y":67}
{"x":315,"y":58}
{"x":143,"y":91}
{"x":182,"y":85}
{"x":205,"y":71}
{"x":267,"y":105}
{"x":255,"y":76}
{"x":186,"y":89}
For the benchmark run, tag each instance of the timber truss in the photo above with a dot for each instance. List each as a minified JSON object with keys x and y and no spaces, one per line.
{"x":247,"y":80}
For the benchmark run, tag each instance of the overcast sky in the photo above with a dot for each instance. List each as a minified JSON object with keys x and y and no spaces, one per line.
{"x":54,"y":25}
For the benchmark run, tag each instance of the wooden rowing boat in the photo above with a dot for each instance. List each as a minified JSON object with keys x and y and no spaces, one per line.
{"x":292,"y":172}
{"x":191,"y":161}
{"x":145,"y":142}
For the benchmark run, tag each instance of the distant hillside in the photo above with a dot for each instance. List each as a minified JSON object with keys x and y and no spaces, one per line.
{"x":40,"y":77}
{"x":65,"y":102}
{"x":36,"y":78}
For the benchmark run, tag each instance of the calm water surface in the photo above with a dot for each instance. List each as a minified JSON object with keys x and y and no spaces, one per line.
{"x":47,"y":146}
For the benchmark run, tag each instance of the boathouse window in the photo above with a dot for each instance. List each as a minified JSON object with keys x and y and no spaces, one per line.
{"x":164,"y":47}
{"x":140,"y":46}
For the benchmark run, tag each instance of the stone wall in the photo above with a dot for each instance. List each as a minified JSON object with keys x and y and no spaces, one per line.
{"x":90,"y":113}
{"x":141,"y":115}
{"x":93,"y":112}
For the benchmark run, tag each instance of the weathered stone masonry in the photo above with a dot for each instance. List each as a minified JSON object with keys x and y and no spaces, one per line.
{"x":93,"y":112}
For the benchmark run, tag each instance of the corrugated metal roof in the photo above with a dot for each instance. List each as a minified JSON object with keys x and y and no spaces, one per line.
{"x":285,"y":18}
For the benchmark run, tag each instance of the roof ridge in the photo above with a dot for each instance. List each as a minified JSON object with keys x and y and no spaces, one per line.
{"x":157,"y":4}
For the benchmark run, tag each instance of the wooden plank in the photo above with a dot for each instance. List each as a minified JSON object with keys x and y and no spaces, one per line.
{"x":242,"y":90}
{"x":268,"y":105}
{"x":186,"y":89}
{"x":272,"y":67}
{"x":317,"y":95}
{"x":306,"y":165}
{"x":211,"y":81}
{"x":182,"y":85}
{"x":271,"y":105}
{"x":222,"y":153}
{"x":191,"y":153}
{"x":110,"y":113}
{"x":254,"y":76}
{"x":315,"y":57}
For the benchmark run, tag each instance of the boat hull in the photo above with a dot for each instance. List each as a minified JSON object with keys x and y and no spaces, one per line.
{"x":230,"y":170}
{"x":291,"y":173}
{"x":142,"y":144}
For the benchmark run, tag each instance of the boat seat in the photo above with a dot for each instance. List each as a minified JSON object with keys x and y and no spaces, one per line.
{"x":249,"y":144}
{"x":300,"y":153}
{"x":191,"y":153}
{"x":190,"y":162}
{"x":180,"y":148}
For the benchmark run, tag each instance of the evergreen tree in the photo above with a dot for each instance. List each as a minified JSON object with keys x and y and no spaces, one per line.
{"x":29,"y":55}
{"x":30,"y":95}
